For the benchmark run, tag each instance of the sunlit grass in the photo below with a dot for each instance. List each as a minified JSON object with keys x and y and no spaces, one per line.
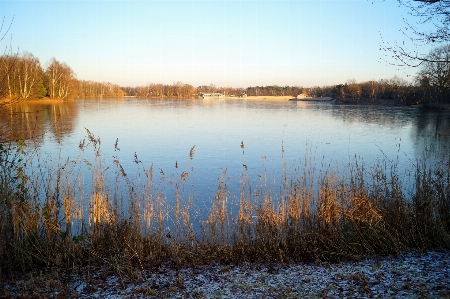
{"x":50,"y":219}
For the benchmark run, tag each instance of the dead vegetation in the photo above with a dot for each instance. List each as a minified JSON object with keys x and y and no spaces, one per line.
{"x":55,"y":217}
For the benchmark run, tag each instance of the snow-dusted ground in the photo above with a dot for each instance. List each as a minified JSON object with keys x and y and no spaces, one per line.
{"x":405,"y":276}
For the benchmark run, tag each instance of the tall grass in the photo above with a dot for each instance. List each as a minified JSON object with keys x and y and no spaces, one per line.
{"x":56,"y":217}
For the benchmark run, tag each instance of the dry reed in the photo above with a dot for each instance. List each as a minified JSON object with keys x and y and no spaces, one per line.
{"x":48,"y":221}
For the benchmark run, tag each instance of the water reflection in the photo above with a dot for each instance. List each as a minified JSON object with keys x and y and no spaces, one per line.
{"x":393,"y":117}
{"x":281,"y":138}
{"x":33,"y":120}
{"x":431,"y":132}
{"x":264,"y":123}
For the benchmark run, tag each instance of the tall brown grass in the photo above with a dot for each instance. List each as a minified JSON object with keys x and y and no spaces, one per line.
{"x":50,"y":219}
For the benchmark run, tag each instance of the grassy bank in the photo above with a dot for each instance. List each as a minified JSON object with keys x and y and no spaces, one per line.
{"x":50,"y":221}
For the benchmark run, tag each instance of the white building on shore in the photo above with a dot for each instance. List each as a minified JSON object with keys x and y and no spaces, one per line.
{"x":216,"y":95}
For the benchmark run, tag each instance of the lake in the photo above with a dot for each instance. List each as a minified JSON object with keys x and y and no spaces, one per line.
{"x":198,"y":143}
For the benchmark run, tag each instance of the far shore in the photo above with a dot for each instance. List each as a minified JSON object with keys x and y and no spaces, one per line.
{"x":45,"y":100}
{"x":363,"y":101}
{"x":262,"y":98}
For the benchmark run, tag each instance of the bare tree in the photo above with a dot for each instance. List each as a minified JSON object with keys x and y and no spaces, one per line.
{"x":7,"y":61}
{"x":428,"y":23}
{"x":29,"y":75}
{"x":7,"y":64}
{"x":60,"y":80}
{"x":354,"y":89}
{"x":177,"y":87}
{"x":435,"y":72}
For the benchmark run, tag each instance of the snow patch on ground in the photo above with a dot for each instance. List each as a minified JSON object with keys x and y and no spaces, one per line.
{"x":406,"y":276}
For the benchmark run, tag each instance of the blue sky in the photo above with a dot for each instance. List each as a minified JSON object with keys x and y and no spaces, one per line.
{"x":225,"y":43}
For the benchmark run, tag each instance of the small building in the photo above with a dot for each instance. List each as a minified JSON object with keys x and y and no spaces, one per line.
{"x":302,"y":96}
{"x":212,"y":95}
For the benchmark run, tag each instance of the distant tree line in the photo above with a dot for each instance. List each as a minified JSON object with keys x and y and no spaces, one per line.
{"x":430,"y":87}
{"x":351,"y":91}
{"x":23,"y":77}
{"x":175,"y":90}
{"x":385,"y":89}
{"x":92,"y":89}
{"x":273,"y":90}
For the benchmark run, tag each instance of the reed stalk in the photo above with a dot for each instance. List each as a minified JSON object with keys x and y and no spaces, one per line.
{"x":57,"y":217}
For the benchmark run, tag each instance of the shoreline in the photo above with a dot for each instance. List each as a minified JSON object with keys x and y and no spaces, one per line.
{"x":45,"y":100}
{"x":408,"y":275}
{"x":368,"y":102}
{"x":261,"y":98}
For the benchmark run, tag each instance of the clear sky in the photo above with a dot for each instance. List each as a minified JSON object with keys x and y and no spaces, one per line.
{"x":225,"y":43}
